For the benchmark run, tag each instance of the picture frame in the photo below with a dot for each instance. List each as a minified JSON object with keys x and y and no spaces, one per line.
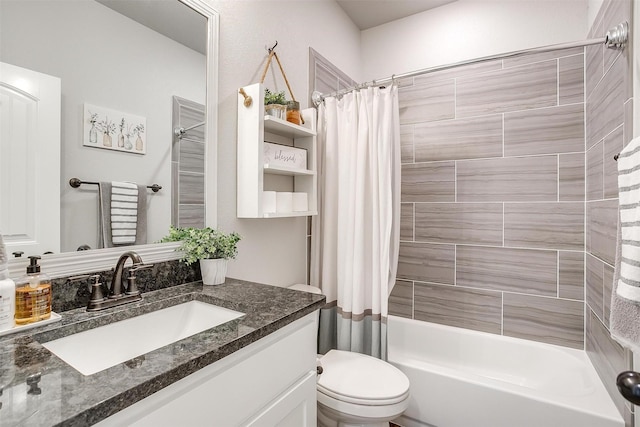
{"x":114,"y":130}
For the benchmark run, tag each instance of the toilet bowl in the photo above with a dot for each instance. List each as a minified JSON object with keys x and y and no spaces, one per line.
{"x":356,"y":390}
{"x":359,"y":390}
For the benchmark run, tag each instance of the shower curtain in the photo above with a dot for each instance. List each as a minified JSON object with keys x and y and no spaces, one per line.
{"x":355,"y":237}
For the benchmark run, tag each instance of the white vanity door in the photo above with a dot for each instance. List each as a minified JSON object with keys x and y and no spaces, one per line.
{"x":29,"y":160}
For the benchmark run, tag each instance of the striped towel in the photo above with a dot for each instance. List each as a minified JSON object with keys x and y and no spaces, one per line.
{"x":629,"y":192}
{"x":124,"y":212}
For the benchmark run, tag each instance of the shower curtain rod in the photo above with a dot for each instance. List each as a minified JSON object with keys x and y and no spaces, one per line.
{"x":179,"y":132}
{"x":616,"y":38}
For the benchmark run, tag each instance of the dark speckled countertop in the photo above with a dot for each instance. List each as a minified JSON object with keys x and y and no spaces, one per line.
{"x":65,"y":397}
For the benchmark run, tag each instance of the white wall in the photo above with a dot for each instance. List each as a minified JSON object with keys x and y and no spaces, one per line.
{"x":111,"y":61}
{"x":272,"y":250}
{"x":469,"y":29}
{"x":592,"y":11}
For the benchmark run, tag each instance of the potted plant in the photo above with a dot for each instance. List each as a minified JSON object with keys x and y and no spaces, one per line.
{"x":213,"y":248}
{"x":275,"y":104}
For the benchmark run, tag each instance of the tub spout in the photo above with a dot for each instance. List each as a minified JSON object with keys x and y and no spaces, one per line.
{"x":628,"y":383}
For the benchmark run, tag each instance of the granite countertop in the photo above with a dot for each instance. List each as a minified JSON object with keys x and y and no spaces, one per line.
{"x":65,"y":397}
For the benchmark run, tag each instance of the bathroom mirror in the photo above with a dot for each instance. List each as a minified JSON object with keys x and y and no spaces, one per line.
{"x":88,"y":45}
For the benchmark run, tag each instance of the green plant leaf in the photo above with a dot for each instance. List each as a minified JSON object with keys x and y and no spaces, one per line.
{"x":203,"y":243}
{"x":274,"y":98}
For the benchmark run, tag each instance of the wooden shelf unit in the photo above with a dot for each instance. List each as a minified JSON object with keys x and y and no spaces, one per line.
{"x":254,"y":176}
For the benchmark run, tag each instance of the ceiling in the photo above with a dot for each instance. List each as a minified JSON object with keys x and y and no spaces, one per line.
{"x":170,"y":18}
{"x":186,"y":26}
{"x":371,"y":13}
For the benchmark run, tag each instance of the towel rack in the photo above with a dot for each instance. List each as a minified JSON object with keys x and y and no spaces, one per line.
{"x":76,"y":182}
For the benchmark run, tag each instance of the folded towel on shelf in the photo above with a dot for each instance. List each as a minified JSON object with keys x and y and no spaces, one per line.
{"x":123,"y":214}
{"x":628,"y":284}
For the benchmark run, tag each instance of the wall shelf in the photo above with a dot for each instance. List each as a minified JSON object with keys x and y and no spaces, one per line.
{"x":285,"y":128}
{"x":289,"y":214}
{"x":279,"y":170}
{"x":254,"y":175}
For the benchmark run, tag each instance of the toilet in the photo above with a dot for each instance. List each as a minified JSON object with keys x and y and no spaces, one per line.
{"x":356,"y":390}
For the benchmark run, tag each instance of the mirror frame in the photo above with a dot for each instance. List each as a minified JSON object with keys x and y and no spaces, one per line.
{"x":71,"y":263}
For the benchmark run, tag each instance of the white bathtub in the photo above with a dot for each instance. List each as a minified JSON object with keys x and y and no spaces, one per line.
{"x":463,"y":378}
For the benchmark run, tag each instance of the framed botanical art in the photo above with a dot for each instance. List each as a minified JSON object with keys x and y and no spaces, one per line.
{"x":114,"y":130}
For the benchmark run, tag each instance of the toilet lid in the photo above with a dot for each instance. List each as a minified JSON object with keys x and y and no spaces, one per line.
{"x":357,"y":378}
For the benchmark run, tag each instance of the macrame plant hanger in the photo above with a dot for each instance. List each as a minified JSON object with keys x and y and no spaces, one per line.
{"x":273,"y":54}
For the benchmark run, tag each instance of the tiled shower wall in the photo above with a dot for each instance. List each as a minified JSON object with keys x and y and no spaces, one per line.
{"x":493,"y":190}
{"x":505,"y":199}
{"x":608,"y":94}
{"x":187,"y":165}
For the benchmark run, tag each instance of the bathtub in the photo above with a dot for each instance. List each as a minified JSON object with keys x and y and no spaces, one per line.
{"x":463,"y":378}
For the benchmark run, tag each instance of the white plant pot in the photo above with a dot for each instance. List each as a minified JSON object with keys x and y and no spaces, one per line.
{"x":213,"y":271}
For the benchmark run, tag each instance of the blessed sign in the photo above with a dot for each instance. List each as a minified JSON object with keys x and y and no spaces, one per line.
{"x":285,"y":156}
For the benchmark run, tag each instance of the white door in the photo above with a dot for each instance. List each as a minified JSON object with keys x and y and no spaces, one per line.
{"x":29,"y":160}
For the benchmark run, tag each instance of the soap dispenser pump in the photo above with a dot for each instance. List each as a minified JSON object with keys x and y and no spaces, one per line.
{"x":33,"y":295}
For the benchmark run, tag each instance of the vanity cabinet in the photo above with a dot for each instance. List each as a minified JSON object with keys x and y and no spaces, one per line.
{"x":254,"y":174}
{"x":271,"y":382}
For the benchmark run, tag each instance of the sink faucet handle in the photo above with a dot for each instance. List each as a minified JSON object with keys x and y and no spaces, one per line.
{"x":132,"y":287}
{"x":97,"y":294}
{"x":32,"y":382}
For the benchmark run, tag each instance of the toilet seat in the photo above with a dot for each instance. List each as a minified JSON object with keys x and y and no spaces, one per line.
{"x":358,"y":379}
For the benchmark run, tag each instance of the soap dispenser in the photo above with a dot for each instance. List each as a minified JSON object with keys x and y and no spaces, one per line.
{"x":33,"y":295}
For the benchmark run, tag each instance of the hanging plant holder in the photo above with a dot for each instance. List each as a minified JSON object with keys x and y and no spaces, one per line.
{"x":289,"y":111}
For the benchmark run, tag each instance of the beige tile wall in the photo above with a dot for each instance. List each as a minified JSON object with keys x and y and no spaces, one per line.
{"x":493,"y":212}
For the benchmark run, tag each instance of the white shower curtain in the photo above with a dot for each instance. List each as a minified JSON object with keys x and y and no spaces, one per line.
{"x":355,"y":236}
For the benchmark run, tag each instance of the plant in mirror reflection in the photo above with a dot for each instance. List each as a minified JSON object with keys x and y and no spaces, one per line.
{"x":203,"y":243}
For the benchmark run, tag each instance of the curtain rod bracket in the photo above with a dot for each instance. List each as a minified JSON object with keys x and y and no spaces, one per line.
{"x":180,"y":132}
{"x":617,"y":36}
{"x":316,"y":98}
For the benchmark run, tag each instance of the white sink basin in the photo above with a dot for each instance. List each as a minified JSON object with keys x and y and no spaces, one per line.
{"x":100,"y":348}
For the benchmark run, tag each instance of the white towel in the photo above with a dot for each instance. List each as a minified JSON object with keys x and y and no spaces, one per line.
{"x":628,"y":285}
{"x":124,"y":212}
{"x":104,"y":192}
{"x":623,"y":320}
